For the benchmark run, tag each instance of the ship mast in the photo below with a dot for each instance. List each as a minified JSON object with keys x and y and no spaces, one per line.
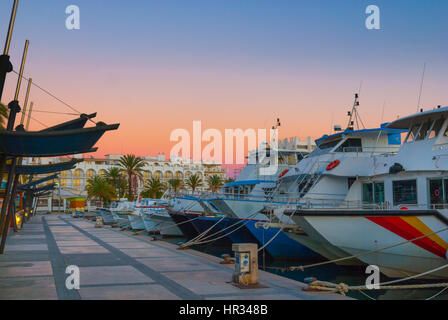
{"x":354,"y":117}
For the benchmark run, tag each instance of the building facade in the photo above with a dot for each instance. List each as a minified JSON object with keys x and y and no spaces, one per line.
{"x":74,"y":181}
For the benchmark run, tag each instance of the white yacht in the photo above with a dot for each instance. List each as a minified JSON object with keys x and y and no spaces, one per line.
{"x":397,"y":207}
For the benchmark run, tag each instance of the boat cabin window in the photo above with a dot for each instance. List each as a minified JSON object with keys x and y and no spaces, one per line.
{"x":405,"y":192}
{"x":350,"y":145}
{"x":329,"y":144}
{"x":438,"y":193}
{"x":413,"y":132}
{"x":427,"y":130}
{"x":445,"y":134}
{"x":423,"y":130}
{"x":373,"y":192}
{"x":435,"y":129}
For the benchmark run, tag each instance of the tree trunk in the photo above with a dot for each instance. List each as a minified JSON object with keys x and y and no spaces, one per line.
{"x":130,"y":193}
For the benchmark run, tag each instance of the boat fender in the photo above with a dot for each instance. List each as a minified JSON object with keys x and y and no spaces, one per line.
{"x":333,"y":165}
{"x":283,"y":173}
{"x":309,"y":279}
{"x":396,"y":168}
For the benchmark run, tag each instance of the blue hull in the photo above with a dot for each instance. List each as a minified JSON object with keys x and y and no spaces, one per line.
{"x":202,"y":224}
{"x":182,"y":221}
{"x":236,"y":231}
{"x":282,"y":247}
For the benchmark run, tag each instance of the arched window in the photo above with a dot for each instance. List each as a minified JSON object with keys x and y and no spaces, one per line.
{"x":179,"y":175}
{"x":168,"y":175}
{"x":158,"y":174}
{"x":91,"y":173}
{"x":79,"y":173}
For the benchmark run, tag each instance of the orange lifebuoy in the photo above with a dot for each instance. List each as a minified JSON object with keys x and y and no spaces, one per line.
{"x":283,"y":173}
{"x":333,"y":165}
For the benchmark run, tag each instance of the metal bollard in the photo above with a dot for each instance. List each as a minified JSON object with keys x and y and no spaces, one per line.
{"x":99,"y":222}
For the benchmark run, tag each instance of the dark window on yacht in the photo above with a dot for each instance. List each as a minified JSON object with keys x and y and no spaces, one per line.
{"x":436,"y":194}
{"x":435,"y":129}
{"x":424,"y":130}
{"x":405,"y":192}
{"x":367,"y":192}
{"x":379,"y":192}
{"x":373,"y":192}
{"x":299,"y":156}
{"x":329,"y":144}
{"x":350,"y":181}
{"x":445,"y":134}
{"x":412,"y":133}
{"x":351,"y":145}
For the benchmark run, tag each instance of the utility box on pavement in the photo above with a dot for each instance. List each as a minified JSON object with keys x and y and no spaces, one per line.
{"x":246,"y":264}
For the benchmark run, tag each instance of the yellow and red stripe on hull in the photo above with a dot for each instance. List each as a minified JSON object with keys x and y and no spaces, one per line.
{"x":412,"y":227}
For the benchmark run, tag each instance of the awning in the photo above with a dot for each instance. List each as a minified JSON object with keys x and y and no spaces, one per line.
{"x":45,"y":168}
{"x":37,"y":182}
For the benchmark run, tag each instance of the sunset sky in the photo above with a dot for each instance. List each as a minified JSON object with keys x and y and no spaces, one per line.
{"x":158,"y":65}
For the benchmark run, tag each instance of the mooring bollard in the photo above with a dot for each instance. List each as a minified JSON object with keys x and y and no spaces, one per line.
{"x":99,"y":222}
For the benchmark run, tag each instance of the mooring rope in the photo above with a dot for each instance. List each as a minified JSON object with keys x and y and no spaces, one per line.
{"x":343,"y":288}
{"x":200,"y":236}
{"x":242,"y":223}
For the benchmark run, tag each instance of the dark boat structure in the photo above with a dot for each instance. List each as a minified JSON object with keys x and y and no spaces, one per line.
{"x":37,"y":182}
{"x":49,"y":187}
{"x":183,"y":221}
{"x":78,"y":123}
{"x":45,"y":168}
{"x":52,"y":143}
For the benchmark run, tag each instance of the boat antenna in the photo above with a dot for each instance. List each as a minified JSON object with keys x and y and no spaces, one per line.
{"x":354,"y":115}
{"x":421,"y":86}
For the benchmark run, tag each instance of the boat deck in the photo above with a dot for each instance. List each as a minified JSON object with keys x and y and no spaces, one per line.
{"x":118,"y":265}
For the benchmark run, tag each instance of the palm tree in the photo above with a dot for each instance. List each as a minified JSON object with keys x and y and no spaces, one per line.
{"x":133,"y":167}
{"x":194,"y":181}
{"x":98,"y":188}
{"x":175,"y":184}
{"x":153,"y":189}
{"x":3,"y":115}
{"x":114,"y":176}
{"x":229,"y":180}
{"x":214,"y":182}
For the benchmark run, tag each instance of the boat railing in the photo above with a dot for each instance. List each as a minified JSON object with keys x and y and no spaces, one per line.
{"x":370,"y":150}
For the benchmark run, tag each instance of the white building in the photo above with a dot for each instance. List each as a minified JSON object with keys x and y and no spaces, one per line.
{"x":74,"y":181}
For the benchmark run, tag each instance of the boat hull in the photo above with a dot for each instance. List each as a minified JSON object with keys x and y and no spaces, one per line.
{"x":165,"y":225}
{"x":148,"y":222}
{"x":282,"y":246}
{"x":136,"y":222}
{"x":363,"y":232}
{"x":236,"y":230}
{"x":183,"y":221}
{"x":211,"y":226}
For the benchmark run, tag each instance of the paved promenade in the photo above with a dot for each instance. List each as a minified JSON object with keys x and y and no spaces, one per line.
{"x":118,"y":265}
